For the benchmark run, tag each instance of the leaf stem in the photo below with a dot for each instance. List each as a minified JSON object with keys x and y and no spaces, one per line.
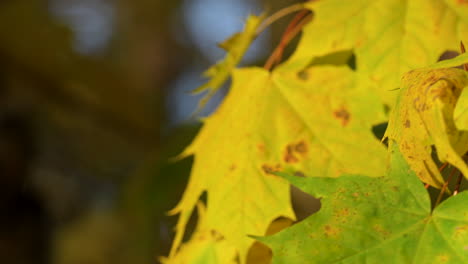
{"x":279,"y":14}
{"x":294,"y":27}
{"x":442,"y":190}
{"x":443,"y":166}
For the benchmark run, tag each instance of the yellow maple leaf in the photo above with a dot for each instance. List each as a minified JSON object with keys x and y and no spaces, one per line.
{"x":270,"y":121}
{"x":388,"y":37}
{"x":423,"y":117}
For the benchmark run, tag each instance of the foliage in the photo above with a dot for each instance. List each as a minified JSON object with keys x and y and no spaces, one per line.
{"x":423,"y":117}
{"x":367,"y":220}
{"x":313,"y":115}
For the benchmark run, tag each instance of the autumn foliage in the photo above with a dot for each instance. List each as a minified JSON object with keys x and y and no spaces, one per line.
{"x":358,"y":65}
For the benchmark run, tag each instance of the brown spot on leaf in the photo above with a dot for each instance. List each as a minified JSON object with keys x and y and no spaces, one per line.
{"x":343,"y":115}
{"x":291,"y":151}
{"x":261,"y":147}
{"x":233,"y":167}
{"x":432,"y":78}
{"x":461,"y":231}
{"x":217,"y":236}
{"x":404,"y":145}
{"x":299,"y":174}
{"x":407,"y":123}
{"x":269,"y":169}
{"x":289,"y":155}
{"x":343,"y":212}
{"x":301,"y":147}
{"x":303,"y":75}
{"x":426,"y":82}
{"x":418,"y":104}
{"x":379,"y":229}
{"x":331,"y":231}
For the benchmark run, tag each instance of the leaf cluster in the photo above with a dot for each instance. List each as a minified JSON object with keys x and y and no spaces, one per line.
{"x":309,"y":122}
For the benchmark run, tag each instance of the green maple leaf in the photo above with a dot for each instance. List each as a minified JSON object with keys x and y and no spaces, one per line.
{"x":388,"y":37}
{"x":271,"y":121}
{"x":424,"y":116}
{"x":375,"y":220}
{"x":236,"y":46}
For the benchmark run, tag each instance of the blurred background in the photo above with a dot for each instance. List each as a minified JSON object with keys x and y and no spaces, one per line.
{"x":94,"y":103}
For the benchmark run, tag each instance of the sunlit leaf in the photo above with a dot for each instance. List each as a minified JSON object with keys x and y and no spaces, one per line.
{"x":388,"y":37}
{"x":273,"y":121}
{"x":375,"y":220}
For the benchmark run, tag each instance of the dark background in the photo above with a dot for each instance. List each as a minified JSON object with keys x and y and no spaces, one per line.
{"x":94,"y":103}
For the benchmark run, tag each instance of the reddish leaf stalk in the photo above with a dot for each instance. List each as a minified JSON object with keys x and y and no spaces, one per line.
{"x":441,"y":194}
{"x":294,"y":27}
{"x":441,"y":168}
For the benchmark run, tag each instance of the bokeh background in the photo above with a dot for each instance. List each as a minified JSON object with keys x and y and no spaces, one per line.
{"x":94,"y":105}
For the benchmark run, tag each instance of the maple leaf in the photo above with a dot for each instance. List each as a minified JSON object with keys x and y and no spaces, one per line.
{"x":388,"y":37}
{"x":423,"y":116}
{"x":236,"y":46}
{"x":270,"y":121}
{"x":374,"y":220}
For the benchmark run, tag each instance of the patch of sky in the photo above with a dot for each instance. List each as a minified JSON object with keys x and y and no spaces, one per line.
{"x":181,"y":104}
{"x":209,"y":22}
